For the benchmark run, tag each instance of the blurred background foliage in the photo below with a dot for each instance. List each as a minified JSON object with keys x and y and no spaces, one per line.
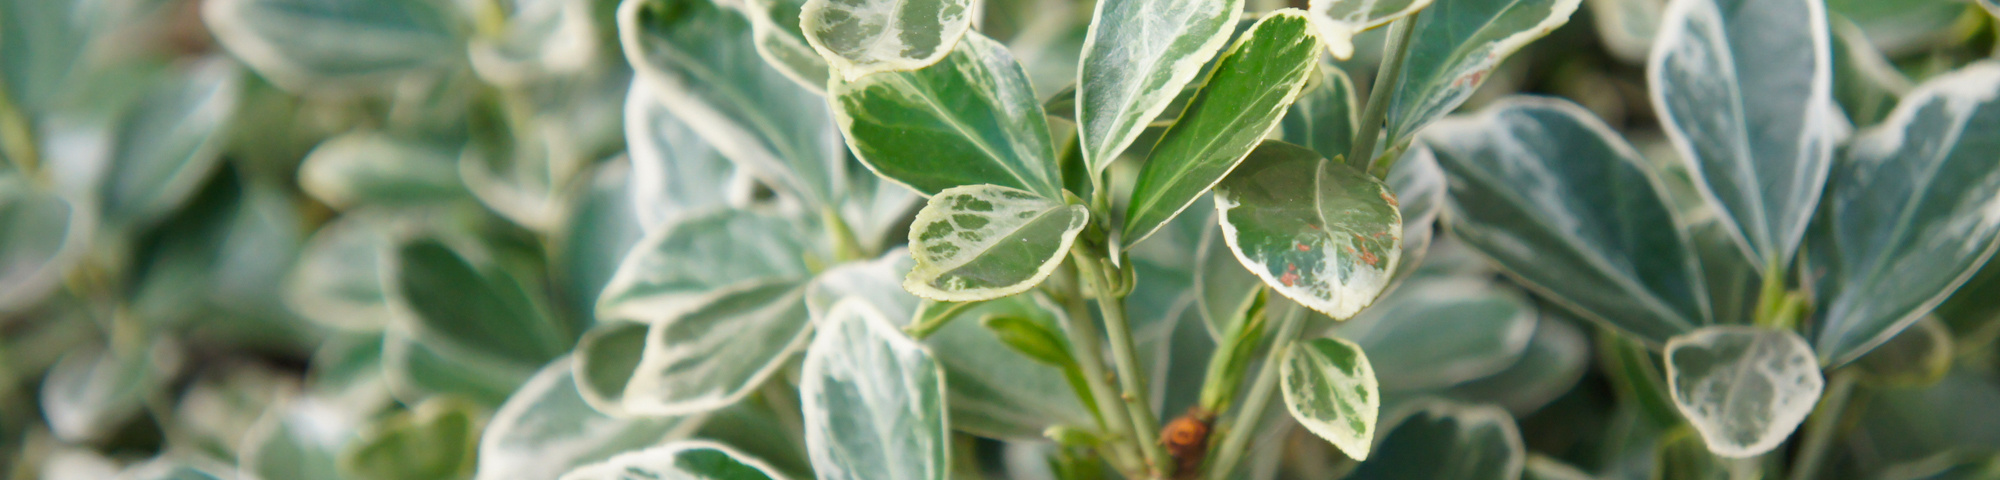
{"x":216,"y":217}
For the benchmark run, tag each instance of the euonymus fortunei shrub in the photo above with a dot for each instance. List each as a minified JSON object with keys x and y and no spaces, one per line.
{"x":1023,"y":239}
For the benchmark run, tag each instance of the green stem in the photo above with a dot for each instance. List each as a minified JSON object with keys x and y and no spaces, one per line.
{"x":1237,"y":434}
{"x":846,"y":246}
{"x":17,"y":139}
{"x":924,"y":325}
{"x":1131,"y":378}
{"x":1227,"y":366}
{"x":1820,"y":427}
{"x":1362,"y":156}
{"x":1090,"y":359}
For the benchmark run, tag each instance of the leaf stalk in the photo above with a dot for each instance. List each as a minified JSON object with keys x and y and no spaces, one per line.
{"x":1236,"y":435}
{"x":1125,"y":358}
{"x":1362,"y":156}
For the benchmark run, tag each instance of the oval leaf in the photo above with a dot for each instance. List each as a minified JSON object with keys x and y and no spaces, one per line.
{"x":1435,"y":332}
{"x":368,"y":167}
{"x":686,"y":460}
{"x":1552,"y":195}
{"x":605,"y":359}
{"x":1914,"y":211}
{"x":1744,"y":90}
{"x":1136,"y":58}
{"x":436,"y":439}
{"x":41,"y":236}
{"x":545,"y":428}
{"x":714,"y":355}
{"x":454,"y":305}
{"x":783,"y":43}
{"x":1323,"y":118}
{"x":1331,"y":389}
{"x":1453,"y":48}
{"x":1744,"y":388}
{"x":682,"y":261}
{"x":1338,"y":21}
{"x":1448,"y":441}
{"x":338,"y":279}
{"x":1246,"y":96}
{"x":169,"y":142}
{"x":859,"y":37}
{"x":1319,"y":232}
{"x":982,"y":242}
{"x":970,"y":119}
{"x":874,"y":401}
{"x":674,"y":172}
{"x":310,"y":45}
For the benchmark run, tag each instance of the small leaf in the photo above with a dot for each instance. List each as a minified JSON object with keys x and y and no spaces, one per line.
{"x":338,"y":279}
{"x":546,"y":428}
{"x":1029,"y":338}
{"x":686,"y":460}
{"x":1136,"y":58}
{"x":90,"y":392}
{"x":681,"y":261}
{"x":982,"y":242}
{"x":718,"y":352}
{"x":993,"y":387}
{"x":41,"y":236}
{"x":1330,"y":388}
{"x":1551,"y":194}
{"x":314,"y":46}
{"x":1247,"y":93}
{"x":874,"y":401}
{"x":675,"y":173}
{"x":366,"y":167}
{"x":1744,"y":388}
{"x":1442,"y":440}
{"x":970,"y":119}
{"x":1913,"y":211}
{"x":1338,"y":21}
{"x":783,"y":43}
{"x":700,"y":61}
{"x":437,"y":439}
{"x":1745,"y":93}
{"x":415,"y":371}
{"x":168,"y":143}
{"x":1317,"y":231}
{"x":459,"y":307}
{"x":1455,"y":46}
{"x":860,"y":37}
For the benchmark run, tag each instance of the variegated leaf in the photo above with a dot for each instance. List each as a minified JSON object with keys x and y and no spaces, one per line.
{"x":859,"y":37}
{"x":1330,"y":388}
{"x":1338,"y":21}
{"x":1320,"y":232}
{"x":873,"y":400}
{"x":1744,"y":388}
{"x":1137,"y":57}
{"x":982,"y":242}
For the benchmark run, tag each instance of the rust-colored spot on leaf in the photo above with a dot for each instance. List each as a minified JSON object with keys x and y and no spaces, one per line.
{"x":1302,"y":247}
{"x":1289,"y":279}
{"x":1386,"y":197}
{"x":1369,"y":258}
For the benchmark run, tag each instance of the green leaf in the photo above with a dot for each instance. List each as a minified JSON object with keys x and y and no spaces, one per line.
{"x":1744,"y":90}
{"x":970,"y":119}
{"x":874,"y":401}
{"x":592,"y":243}
{"x":1681,"y":456}
{"x":1338,"y":21}
{"x":1627,"y":27}
{"x":1919,"y":356}
{"x":338,"y":279}
{"x":1330,"y":388}
{"x":680,"y":262}
{"x":167,"y":144}
{"x":415,"y":371}
{"x":1744,"y":388}
{"x":92,"y":391}
{"x":1911,"y":213}
{"x":1419,"y":186}
{"x":1136,"y":58}
{"x":605,"y":359}
{"x":456,"y":306}
{"x":783,"y":43}
{"x":1448,"y":441}
{"x":860,"y":37}
{"x":1541,"y":467}
{"x":1324,"y":116}
{"x":315,"y":46}
{"x":1435,"y":332}
{"x":42,"y":236}
{"x":878,"y":281}
{"x":540,"y":40}
{"x":298,"y":440}
{"x":1552,"y":195}
{"x":995,"y":390}
{"x":546,"y":428}
{"x":168,"y":468}
{"x":1453,"y":48}
{"x":687,"y":460}
{"x":674,"y":172}
{"x":375,"y":168}
{"x":700,"y":61}
{"x":718,"y":352}
{"x":1865,"y":84}
{"x":1246,"y":95}
{"x":982,"y":242}
{"x":1319,"y":232}
{"x":1555,"y":360}
{"x":438,"y":439}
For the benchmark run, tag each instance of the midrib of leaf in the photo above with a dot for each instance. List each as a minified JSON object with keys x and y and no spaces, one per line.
{"x":1011,"y":235}
{"x":1907,"y":213}
{"x":1208,"y":146}
{"x":929,"y":97}
{"x":1739,"y":146}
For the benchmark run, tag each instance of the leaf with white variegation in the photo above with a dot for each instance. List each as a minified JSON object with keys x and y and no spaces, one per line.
{"x":681,"y":261}
{"x":1455,"y":45}
{"x":1338,"y":21}
{"x":1554,"y":196}
{"x":1744,"y":388}
{"x":783,"y":43}
{"x":41,"y":236}
{"x":684,"y":460}
{"x":1320,"y":232}
{"x":546,"y":428}
{"x":310,"y":45}
{"x":970,"y":119}
{"x":1330,"y":388}
{"x":1912,"y":211}
{"x":982,"y":242}
{"x":1744,"y":90}
{"x":1246,"y":96}
{"x":674,"y":172}
{"x":860,"y":37}
{"x":1443,"y":440}
{"x":874,"y":401}
{"x":714,"y":355}
{"x":1137,"y":57}
{"x":1324,"y":116}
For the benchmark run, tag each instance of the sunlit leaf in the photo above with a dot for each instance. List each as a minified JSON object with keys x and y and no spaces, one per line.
{"x":683,"y":260}
{"x":436,"y":439}
{"x":1744,"y":388}
{"x":983,"y":241}
{"x":860,"y":37}
{"x":546,"y":428}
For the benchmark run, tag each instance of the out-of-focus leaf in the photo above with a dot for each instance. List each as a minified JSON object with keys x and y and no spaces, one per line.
{"x":299,"y":439}
{"x":970,"y":119}
{"x":982,"y":242}
{"x":224,"y":401}
{"x":860,"y":37}
{"x":1973,"y":311}
{"x":438,"y":439}
{"x":1627,"y":27}
{"x":338,"y":279}
{"x":1330,"y":389}
{"x":679,"y":262}
{"x":542,"y":38}
{"x":1247,"y":94}
{"x":1683,"y":457}
{"x":719,"y":351}
{"x":1909,"y":26}
{"x":1442,"y":440}
{"x":1318,"y":231}
{"x":674,"y":172}
{"x":41,"y":236}
{"x":1744,"y":90}
{"x":456,"y":306}
{"x":1137,"y":57}
{"x":1541,"y":467}
{"x":165,"y":146}
{"x":1323,"y":118}
{"x":1552,"y":195}
{"x":604,"y":361}
{"x":92,"y":391}
{"x":678,"y":461}
{"x":177,"y":468}
{"x":1419,"y":187}
{"x":995,"y":391}
{"x":700,"y":60}
{"x":1865,"y":84}
{"x":1556,"y":358}
{"x":602,"y":228}
{"x":1223,"y":287}
{"x":1744,"y":388}
{"x":1919,"y":356}
{"x":1911,"y":213}
{"x":315,"y":46}
{"x":1338,"y":21}
{"x":414,"y":371}
{"x":1454,"y":47}
{"x":546,"y":428}
{"x":874,"y":401}
{"x":782,"y":41}
{"x":1439,"y":331}
{"x":367,"y":167}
